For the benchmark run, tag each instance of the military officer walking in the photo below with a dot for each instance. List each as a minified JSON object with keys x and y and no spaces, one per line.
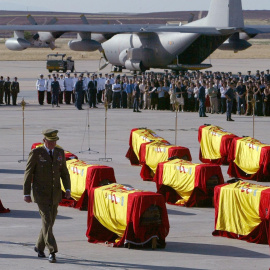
{"x":45,"y":166}
{"x":14,"y":89}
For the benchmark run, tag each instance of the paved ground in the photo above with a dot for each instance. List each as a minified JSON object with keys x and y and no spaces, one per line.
{"x":190,"y":244}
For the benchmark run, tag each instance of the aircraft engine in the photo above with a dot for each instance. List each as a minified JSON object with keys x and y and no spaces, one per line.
{"x":236,"y":43}
{"x":137,"y":58}
{"x":84,"y":45}
{"x":17,"y":44}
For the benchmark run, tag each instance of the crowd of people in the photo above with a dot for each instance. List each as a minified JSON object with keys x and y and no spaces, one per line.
{"x":9,"y":89}
{"x":203,"y":92}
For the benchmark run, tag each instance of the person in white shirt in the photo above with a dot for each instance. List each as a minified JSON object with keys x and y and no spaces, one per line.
{"x":75,"y":79}
{"x":223,"y":90}
{"x":100,"y":88}
{"x":61,"y":81}
{"x":116,"y":88}
{"x":41,"y":88}
{"x":48,"y":89}
{"x":68,"y":84}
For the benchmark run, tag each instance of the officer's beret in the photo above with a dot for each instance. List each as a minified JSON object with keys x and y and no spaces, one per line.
{"x":41,"y":75}
{"x":50,"y":134}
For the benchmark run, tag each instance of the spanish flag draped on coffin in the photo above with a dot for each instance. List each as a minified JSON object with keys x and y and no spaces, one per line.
{"x":68,"y":154}
{"x":150,"y":149}
{"x":242,"y":212}
{"x":214,"y":144}
{"x":120,"y":215}
{"x":151,"y":154}
{"x":249,"y":159}
{"x":138,"y":136}
{"x":83,"y":177}
{"x":184,"y":183}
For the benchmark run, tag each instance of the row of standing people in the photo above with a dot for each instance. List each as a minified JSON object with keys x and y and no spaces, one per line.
{"x":9,"y":89}
{"x":67,"y":87}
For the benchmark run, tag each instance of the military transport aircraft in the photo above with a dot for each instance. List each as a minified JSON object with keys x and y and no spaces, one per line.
{"x":139,"y":47}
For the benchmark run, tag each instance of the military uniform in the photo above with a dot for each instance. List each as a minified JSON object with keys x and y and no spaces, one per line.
{"x":55,"y":90}
{"x":7,"y":91}
{"x":1,"y":90}
{"x":41,"y":87}
{"x":14,"y":89}
{"x":48,"y":89}
{"x":42,"y":175}
{"x":78,"y":89}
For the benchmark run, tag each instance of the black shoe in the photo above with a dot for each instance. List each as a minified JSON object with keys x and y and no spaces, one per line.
{"x":134,"y":111}
{"x":138,"y":111}
{"x":230,"y":119}
{"x":52,"y":258}
{"x":40,"y":253}
{"x":95,"y":106}
{"x":205,"y":116}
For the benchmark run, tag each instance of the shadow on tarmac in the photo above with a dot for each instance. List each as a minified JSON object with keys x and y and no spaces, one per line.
{"x":176,"y":213}
{"x":27,"y":214}
{"x":90,"y":263}
{"x":8,"y":186}
{"x":7,"y":171}
{"x":212,"y":250}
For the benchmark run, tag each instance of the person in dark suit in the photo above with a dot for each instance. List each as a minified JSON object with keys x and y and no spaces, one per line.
{"x":79,"y":94}
{"x":201,"y":98}
{"x":45,"y":166}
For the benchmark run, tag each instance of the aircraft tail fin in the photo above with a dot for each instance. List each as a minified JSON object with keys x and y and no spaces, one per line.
{"x":225,"y":13}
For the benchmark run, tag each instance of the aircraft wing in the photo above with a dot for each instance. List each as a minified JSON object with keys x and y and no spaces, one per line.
{"x":256,"y":29}
{"x":120,"y":28}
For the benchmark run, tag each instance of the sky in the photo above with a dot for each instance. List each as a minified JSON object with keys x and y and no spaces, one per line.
{"x":129,"y":6}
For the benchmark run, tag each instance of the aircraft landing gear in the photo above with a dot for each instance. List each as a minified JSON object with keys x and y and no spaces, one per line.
{"x":117,"y":69}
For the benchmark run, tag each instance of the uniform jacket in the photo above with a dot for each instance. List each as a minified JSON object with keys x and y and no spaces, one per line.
{"x":15,"y":87}
{"x":43,"y":174}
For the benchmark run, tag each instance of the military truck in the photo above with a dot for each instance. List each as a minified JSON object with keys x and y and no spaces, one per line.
{"x":57,"y":62}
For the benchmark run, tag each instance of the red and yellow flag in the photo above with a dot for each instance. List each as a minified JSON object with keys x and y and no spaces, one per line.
{"x":248,"y":154}
{"x":110,"y":207}
{"x":238,"y":210}
{"x":211,"y":141}
{"x":155,"y":153}
{"x":77,"y":170}
{"x":141,"y":136}
{"x":180,"y":175}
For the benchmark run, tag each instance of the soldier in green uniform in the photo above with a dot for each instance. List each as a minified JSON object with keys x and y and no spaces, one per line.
{"x":7,"y":91}
{"x":1,"y":89}
{"x":44,"y":168}
{"x":14,"y":90}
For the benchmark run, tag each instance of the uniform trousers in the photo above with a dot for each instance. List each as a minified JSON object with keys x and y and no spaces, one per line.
{"x":61,"y":97}
{"x":68,"y":96}
{"x":49,"y":97}
{"x":1,"y":95}
{"x":41,"y":97}
{"x":14,"y":98}
{"x":46,"y":238}
{"x":7,"y":97}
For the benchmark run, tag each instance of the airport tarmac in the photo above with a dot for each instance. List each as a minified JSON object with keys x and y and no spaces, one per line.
{"x":190,"y":244}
